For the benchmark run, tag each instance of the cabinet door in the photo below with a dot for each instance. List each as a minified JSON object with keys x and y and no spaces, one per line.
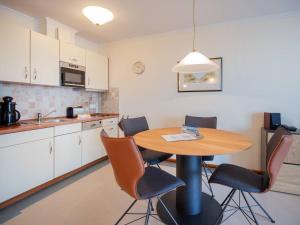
{"x":72,"y":54}
{"x":92,"y":147}
{"x":44,"y":60}
{"x":96,"y":71}
{"x":25,"y":166}
{"x":67,"y":153}
{"x":14,"y":57}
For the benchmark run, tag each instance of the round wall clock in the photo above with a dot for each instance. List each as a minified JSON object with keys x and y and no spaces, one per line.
{"x":138,"y":67}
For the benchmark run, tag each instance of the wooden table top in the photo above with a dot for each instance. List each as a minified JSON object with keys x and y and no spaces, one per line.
{"x":213,"y":142}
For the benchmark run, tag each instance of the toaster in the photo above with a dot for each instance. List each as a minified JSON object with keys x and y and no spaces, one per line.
{"x":73,"y":112}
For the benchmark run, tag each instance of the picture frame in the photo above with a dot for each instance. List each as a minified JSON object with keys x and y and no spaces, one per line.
{"x":209,"y":82}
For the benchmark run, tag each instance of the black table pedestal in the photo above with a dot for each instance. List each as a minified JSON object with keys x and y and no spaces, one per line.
{"x":189,"y":205}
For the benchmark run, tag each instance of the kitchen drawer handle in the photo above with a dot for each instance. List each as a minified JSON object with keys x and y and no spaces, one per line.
{"x":34,"y":74}
{"x":51,"y":148}
{"x":80,"y":141}
{"x":26,"y":72}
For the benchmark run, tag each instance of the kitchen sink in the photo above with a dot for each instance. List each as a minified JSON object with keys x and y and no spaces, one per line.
{"x":43,"y":121}
{"x":53,"y":120}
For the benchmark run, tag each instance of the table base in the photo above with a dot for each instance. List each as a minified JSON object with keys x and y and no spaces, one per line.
{"x":211,"y":210}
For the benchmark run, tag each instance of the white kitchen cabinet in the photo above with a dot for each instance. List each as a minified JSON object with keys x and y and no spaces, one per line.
{"x":67,"y":153}
{"x":92,"y":147}
{"x":44,"y":60}
{"x":96,"y":71}
{"x":72,"y":54}
{"x":25,"y":166}
{"x":14,"y":57}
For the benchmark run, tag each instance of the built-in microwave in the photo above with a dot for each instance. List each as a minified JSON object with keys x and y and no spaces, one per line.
{"x":72,"y":75}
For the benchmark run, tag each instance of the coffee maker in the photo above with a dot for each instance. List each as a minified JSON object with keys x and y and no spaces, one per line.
{"x":8,"y":113}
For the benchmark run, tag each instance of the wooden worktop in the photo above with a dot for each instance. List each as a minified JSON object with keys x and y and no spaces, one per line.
{"x":212,"y":142}
{"x":27,"y":125}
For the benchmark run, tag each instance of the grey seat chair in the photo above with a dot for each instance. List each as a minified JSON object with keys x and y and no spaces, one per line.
{"x":205,"y":122}
{"x":137,"y":181}
{"x":132,"y":126}
{"x":246,"y":181}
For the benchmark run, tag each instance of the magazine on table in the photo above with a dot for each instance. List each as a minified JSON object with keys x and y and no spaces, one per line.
{"x":188,"y":134}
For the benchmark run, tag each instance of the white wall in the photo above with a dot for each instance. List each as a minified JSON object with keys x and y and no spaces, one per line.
{"x":261,"y":72}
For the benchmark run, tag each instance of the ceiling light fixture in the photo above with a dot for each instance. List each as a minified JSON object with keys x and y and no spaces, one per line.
{"x":97,"y":14}
{"x":195,"y":62}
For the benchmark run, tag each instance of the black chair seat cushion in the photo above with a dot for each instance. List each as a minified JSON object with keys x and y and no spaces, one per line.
{"x":239,"y":178}
{"x":208,"y":158}
{"x":156,"y":182}
{"x":153,"y":157}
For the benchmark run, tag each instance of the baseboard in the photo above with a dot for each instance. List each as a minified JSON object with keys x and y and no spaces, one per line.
{"x":49,"y":183}
{"x":213,"y":166}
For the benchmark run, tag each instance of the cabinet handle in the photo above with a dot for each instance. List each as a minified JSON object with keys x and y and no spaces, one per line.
{"x":26,"y":72}
{"x":73,"y":59}
{"x":80,"y":141}
{"x":51,"y":148}
{"x":34,"y":74}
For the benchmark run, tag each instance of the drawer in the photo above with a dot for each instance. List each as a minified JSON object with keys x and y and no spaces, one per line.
{"x":109,"y":122}
{"x":67,"y":129}
{"x":112,"y":131}
{"x":24,"y":137}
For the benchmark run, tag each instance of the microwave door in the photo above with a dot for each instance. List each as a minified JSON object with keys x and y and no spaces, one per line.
{"x":73,"y":78}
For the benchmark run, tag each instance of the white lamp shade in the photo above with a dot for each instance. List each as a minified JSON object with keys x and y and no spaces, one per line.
{"x":98,"y":15}
{"x":195,"y":62}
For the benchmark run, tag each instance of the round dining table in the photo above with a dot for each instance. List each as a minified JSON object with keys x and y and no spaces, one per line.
{"x":188,"y":204}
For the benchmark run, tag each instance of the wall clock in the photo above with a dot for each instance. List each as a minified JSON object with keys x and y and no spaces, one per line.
{"x":138,"y":67}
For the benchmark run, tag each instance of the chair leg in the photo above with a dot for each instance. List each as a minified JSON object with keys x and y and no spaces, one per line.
{"x":158,"y":166}
{"x":151,"y":205}
{"x":226,"y":201}
{"x":132,"y":204}
{"x":210,"y":189}
{"x":167,"y":210}
{"x":249,"y":207}
{"x":148,"y":212}
{"x":262,"y":208}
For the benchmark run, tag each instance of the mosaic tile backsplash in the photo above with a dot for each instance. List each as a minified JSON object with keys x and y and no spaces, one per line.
{"x":32,"y":99}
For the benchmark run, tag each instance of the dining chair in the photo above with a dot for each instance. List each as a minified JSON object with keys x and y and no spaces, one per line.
{"x":137,"y":181}
{"x":205,"y":122}
{"x":132,"y":126}
{"x":247,"y":181}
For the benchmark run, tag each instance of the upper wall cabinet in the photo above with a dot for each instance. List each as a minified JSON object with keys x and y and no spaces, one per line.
{"x":44,"y":60}
{"x":14,"y":57}
{"x":96,"y":71}
{"x":72,"y":54}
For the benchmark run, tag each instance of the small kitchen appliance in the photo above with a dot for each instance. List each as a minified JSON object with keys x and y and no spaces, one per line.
{"x":73,"y":112}
{"x":9,"y":114}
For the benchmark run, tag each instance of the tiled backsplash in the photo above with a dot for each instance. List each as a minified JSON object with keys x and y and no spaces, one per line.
{"x":32,"y":99}
{"x":110,"y":100}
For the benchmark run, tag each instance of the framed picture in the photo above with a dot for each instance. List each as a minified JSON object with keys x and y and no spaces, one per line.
{"x":198,"y":82}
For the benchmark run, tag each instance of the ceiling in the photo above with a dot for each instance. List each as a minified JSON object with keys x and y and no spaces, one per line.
{"x":143,"y":17}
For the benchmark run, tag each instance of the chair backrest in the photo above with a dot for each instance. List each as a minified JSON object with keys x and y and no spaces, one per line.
{"x":277,"y":150}
{"x":126,"y":161}
{"x":205,"y":122}
{"x":132,"y":126}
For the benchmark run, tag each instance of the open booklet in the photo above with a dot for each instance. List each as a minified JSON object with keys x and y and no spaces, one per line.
{"x":180,"y":137}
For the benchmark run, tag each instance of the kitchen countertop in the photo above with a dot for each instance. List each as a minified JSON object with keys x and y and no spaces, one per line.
{"x":27,"y":125}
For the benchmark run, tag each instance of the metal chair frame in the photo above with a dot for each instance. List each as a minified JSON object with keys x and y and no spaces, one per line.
{"x":146,"y":215}
{"x":245,"y":210}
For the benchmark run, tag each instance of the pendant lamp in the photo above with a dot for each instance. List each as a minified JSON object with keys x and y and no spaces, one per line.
{"x":195,"y":62}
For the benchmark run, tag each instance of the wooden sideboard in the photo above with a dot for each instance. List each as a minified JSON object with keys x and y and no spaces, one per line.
{"x":288,"y":179}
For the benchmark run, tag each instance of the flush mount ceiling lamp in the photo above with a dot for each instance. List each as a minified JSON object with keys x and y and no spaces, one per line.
{"x":98,"y":15}
{"x":195,"y":62}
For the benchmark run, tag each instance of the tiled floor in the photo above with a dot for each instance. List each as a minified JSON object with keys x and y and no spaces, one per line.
{"x":93,"y":198}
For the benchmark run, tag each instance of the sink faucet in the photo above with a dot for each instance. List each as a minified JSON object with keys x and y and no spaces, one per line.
{"x":40,"y":117}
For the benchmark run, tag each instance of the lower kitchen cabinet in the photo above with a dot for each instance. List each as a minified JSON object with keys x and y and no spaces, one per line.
{"x":92,"y":147}
{"x":112,"y":131}
{"x":67,"y":153}
{"x":25,"y":166}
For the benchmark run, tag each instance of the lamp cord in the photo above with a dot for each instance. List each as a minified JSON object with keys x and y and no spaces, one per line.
{"x":194,"y":26}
